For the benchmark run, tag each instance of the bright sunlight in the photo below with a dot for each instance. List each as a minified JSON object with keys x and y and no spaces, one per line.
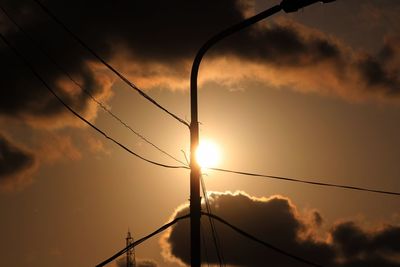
{"x":208,"y":154}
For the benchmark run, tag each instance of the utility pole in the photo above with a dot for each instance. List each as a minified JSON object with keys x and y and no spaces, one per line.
{"x":195,"y":206}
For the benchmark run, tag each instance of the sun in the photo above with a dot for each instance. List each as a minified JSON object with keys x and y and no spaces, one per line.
{"x":208,"y":154}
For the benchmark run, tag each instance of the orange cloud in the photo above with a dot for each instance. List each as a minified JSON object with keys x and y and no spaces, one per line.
{"x":284,"y":54}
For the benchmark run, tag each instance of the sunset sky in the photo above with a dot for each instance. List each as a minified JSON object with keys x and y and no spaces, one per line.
{"x":311,"y":95}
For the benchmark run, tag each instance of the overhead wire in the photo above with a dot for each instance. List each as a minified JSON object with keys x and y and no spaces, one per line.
{"x":214,"y":233}
{"x":50,"y":14}
{"x":99,"y":103}
{"x":48,"y":87}
{"x":223,"y":221}
{"x":288,"y":179}
{"x":204,"y":241}
{"x":186,"y":167}
{"x":209,"y":214}
{"x":234,"y":171}
{"x":259,"y":241}
{"x":122,"y":77}
{"x":233,"y":227}
{"x":111,"y":68}
{"x":138,"y":242}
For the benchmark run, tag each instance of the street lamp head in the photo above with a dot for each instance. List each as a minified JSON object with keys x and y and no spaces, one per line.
{"x":294,"y":5}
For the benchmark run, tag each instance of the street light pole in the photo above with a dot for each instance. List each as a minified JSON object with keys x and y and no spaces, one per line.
{"x":195,"y":200}
{"x":195,"y":203}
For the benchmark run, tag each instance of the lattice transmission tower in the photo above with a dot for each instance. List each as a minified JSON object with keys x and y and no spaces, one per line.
{"x":130,"y":253}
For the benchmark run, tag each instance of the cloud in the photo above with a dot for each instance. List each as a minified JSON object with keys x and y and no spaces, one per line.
{"x":154,"y":44}
{"x":274,"y":219}
{"x":16,"y":165}
{"x":280,"y":53}
{"x":28,"y":100}
{"x":121,"y":262}
{"x":160,"y":54}
{"x":277,"y":221}
{"x":307,"y":60}
{"x":55,"y":147}
{"x":283,"y":53}
{"x":25,"y":97}
{"x":367,"y":248}
{"x":108,"y":29}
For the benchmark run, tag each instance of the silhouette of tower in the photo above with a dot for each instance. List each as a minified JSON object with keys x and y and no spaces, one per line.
{"x":130,"y":253}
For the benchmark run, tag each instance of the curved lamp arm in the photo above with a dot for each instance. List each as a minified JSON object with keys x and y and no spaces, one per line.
{"x":195,"y":201}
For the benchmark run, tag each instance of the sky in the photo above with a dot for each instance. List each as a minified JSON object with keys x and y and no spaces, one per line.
{"x":311,"y":95}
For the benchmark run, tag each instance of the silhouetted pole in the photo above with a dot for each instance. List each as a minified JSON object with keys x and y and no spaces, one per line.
{"x":195,"y":205}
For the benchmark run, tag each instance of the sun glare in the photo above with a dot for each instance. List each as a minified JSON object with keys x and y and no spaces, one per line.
{"x":208,"y":154}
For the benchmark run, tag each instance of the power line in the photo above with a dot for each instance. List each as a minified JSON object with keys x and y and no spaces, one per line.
{"x":138,"y":242}
{"x":98,"y":57}
{"x":185,"y":167}
{"x":309,"y":182}
{"x":204,"y":244}
{"x":123,"y":78}
{"x":99,"y":103}
{"x":216,"y":169}
{"x":213,"y":229}
{"x":237,"y":229}
{"x":37,"y":75}
{"x":255,"y":239}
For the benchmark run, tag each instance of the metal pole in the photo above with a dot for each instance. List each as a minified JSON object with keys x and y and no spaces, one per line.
{"x":195,"y":212}
{"x":195,"y":207}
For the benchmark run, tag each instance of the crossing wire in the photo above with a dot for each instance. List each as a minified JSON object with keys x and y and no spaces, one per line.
{"x":47,"y":86}
{"x":235,"y":228}
{"x":204,"y":241}
{"x":214,"y":233}
{"x":138,"y":242}
{"x":111,"y":68}
{"x":185,"y":123}
{"x":259,"y":241}
{"x":99,"y":103}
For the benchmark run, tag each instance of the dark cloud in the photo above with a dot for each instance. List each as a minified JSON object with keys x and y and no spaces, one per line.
{"x":155,"y":42}
{"x":161,"y":32}
{"x":285,"y":45}
{"x":358,"y":245}
{"x":15,"y":163}
{"x":293,"y":48}
{"x":274,"y":219}
{"x":168,"y":34}
{"x":382,"y":70}
{"x":25,"y":96}
{"x":277,"y":221}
